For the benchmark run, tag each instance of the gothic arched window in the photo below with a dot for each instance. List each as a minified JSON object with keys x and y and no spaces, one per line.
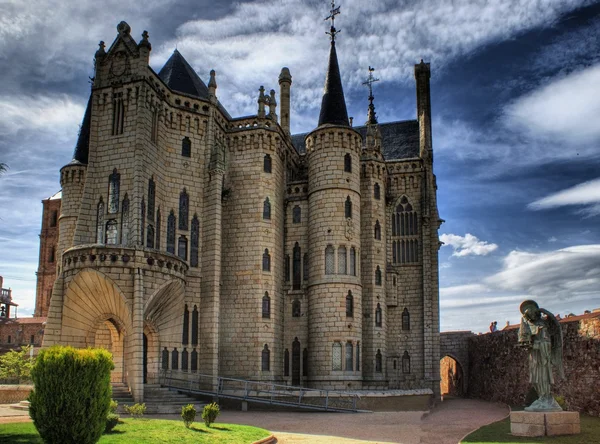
{"x":348,"y":163}
{"x":266,"y":359}
{"x":165,"y":359}
{"x":296,"y":215}
{"x":349,"y":305}
{"x":150,"y":236}
{"x":182,"y":247}
{"x":195,"y":241}
{"x":377,"y":230}
{"x":297,"y":267}
{"x":342,"y":268}
{"x":125,"y":220}
{"x":405,"y":319}
{"x":267,"y":209}
{"x":267,"y":163}
{"x":195,"y":326}
{"x":352,"y":261}
{"x":111,"y":235}
{"x":286,"y":362}
{"x":184,"y":360}
{"x":266,"y":305}
{"x":336,"y":356}
{"x":305,"y":267}
{"x":405,"y":362}
{"x":378,"y":361}
{"x":286,"y":267}
{"x":349,"y":356}
{"x":186,"y":147}
{"x":186,"y":325}
{"x":378,"y":276}
{"x":157,"y":244}
{"x":151,"y":199}
{"x":377,"y":191}
{"x":100,"y":222}
{"x":296,"y":309}
{"x":142,"y":220}
{"x":266,"y":260}
{"x":114,"y":185}
{"x":405,"y":228}
{"x":358,"y":356}
{"x":171,"y":233}
{"x":194,"y":359}
{"x":329,"y":260}
{"x":184,"y":208}
{"x":348,"y":208}
{"x":378,"y":316}
{"x":175,"y":359}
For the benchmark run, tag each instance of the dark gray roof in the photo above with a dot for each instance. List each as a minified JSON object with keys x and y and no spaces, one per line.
{"x":333,"y":105}
{"x":82,"y":148}
{"x":181,"y":77}
{"x":399,"y":140}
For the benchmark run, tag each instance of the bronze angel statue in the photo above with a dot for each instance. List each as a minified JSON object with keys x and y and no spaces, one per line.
{"x":540,"y":332}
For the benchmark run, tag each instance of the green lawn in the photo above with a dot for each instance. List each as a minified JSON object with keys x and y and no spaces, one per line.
{"x":499,"y":432}
{"x":149,"y":431}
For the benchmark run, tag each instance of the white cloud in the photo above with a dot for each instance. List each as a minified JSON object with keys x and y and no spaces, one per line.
{"x":467,"y":245}
{"x":564,"y":109}
{"x":586,"y":193}
{"x":552,"y":239}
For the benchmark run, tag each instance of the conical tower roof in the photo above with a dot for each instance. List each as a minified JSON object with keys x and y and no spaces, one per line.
{"x":333,"y":105}
{"x":181,"y":77}
{"x":82,"y":148}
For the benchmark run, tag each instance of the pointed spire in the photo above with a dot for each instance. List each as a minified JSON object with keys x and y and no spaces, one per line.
{"x":181,"y":77}
{"x":261,"y":101}
{"x":333,"y":105}
{"x":371,"y":115}
{"x":82,"y":148}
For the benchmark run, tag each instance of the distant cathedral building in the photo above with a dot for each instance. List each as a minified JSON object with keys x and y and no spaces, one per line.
{"x":197,"y":242}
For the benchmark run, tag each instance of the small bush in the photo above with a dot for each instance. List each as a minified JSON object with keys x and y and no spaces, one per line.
{"x":112,"y":419}
{"x":210,"y":413}
{"x":136,"y":410}
{"x":72,"y":394}
{"x":113,"y":406}
{"x":561,"y":401}
{"x":188,"y":414}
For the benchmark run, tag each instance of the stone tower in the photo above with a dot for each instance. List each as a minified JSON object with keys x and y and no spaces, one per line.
{"x":46,"y":273}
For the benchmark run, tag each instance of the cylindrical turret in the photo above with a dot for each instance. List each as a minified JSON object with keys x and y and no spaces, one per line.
{"x":285,"y":82}
{"x":72,"y":180}
{"x":334,"y":290}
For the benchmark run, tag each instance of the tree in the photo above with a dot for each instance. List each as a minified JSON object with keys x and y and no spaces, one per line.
{"x":3,"y":167}
{"x":16,"y":365}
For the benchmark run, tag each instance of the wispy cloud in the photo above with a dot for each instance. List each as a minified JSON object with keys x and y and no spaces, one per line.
{"x":585,"y":194}
{"x":467,"y":245}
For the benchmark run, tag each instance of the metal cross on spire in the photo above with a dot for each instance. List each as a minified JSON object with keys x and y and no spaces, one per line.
{"x":332,"y":13}
{"x":370,"y":82}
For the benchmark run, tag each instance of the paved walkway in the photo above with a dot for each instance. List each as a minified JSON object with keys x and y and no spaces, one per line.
{"x":446,"y":424}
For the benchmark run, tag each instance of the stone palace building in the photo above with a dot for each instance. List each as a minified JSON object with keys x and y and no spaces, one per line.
{"x":193,"y":241}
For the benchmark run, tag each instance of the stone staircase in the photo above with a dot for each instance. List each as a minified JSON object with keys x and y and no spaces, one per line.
{"x":23,"y":405}
{"x":158,"y":400}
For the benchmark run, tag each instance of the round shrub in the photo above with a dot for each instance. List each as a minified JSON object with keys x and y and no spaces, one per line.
{"x":71,"y":398}
{"x":210,"y":413}
{"x":188,"y":414}
{"x":112,"y":419}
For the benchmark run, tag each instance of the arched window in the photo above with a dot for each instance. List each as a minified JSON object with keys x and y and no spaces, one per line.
{"x":150,"y":236}
{"x":358,"y":356}
{"x":297,"y":268}
{"x":349,"y":305}
{"x":186,"y":147}
{"x":100,"y":222}
{"x":378,"y":361}
{"x":52,"y":254}
{"x":286,"y":362}
{"x":157,"y":244}
{"x":171,"y":233}
{"x":377,"y":230}
{"x":342,"y":269}
{"x":151,"y":198}
{"x":405,"y":319}
{"x":111,"y":235}
{"x":186,"y":326}
{"x":195,"y":326}
{"x":377,"y":191}
{"x":182,"y":247}
{"x":142,"y":220}
{"x":184,"y":360}
{"x":348,"y":208}
{"x":296,"y":309}
{"x":286,"y":267}
{"x":297,"y":215}
{"x":329,"y":260}
{"x":267,"y":163}
{"x":165,"y":359}
{"x":125,"y":221}
{"x":349,"y":356}
{"x":118,"y":121}
{"x":54,"y":219}
{"x":305,"y":362}
{"x":266,"y":359}
{"x":378,"y":316}
{"x":352,"y":261}
{"x":336,"y":356}
{"x":405,"y":362}
{"x":114,"y":184}
{"x":194,"y":356}
{"x":184,"y":208}
{"x":305,"y":267}
{"x":378,"y":276}
{"x":266,"y":260}
{"x":175,"y":359}
{"x":267,"y":209}
{"x":266,"y":305}
{"x":405,"y":227}
{"x":348,"y":163}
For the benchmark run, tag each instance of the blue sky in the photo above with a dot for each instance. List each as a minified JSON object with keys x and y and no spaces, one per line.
{"x":516,"y":120}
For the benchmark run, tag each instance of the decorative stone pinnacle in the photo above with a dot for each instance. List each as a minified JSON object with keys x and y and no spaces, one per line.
{"x":101,"y":52}
{"x":371,"y":117}
{"x":285,"y":75}
{"x":212,"y":82}
{"x":261,"y":95}
{"x":123,"y":28}
{"x":144,"y":43}
{"x":261,"y":102}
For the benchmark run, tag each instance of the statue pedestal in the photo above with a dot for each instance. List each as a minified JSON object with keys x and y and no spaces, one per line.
{"x":544,"y":423}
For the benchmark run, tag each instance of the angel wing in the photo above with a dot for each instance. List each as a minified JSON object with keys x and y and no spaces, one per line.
{"x":557,"y":341}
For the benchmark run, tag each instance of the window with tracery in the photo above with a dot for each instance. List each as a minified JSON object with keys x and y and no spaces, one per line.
{"x":118,"y":121}
{"x":297,"y":268}
{"x":336,"y":356}
{"x":114,"y":185}
{"x":329,"y":260}
{"x":349,"y":356}
{"x":171,"y":233}
{"x":184,"y":209}
{"x":266,"y":359}
{"x":342,"y":269}
{"x":111,"y":232}
{"x":195,"y":241}
{"x":405,"y":232}
{"x":352,"y":261}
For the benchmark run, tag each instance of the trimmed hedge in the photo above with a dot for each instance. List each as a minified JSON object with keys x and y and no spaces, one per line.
{"x":71,"y":398}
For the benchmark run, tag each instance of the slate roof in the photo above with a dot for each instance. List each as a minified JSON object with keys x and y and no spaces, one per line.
{"x":399,"y":140}
{"x":333,"y":105}
{"x":82,"y":148}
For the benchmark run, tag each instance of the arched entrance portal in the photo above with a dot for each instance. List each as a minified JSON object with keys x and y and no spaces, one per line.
{"x":451,"y":377}
{"x":110,"y":336}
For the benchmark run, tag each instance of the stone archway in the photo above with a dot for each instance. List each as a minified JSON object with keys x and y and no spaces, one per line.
{"x":110,"y":336}
{"x":151,"y":354}
{"x":452,"y":378}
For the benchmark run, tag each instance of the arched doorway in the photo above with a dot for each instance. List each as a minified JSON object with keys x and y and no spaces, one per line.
{"x":110,"y":336}
{"x":451,"y":377}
